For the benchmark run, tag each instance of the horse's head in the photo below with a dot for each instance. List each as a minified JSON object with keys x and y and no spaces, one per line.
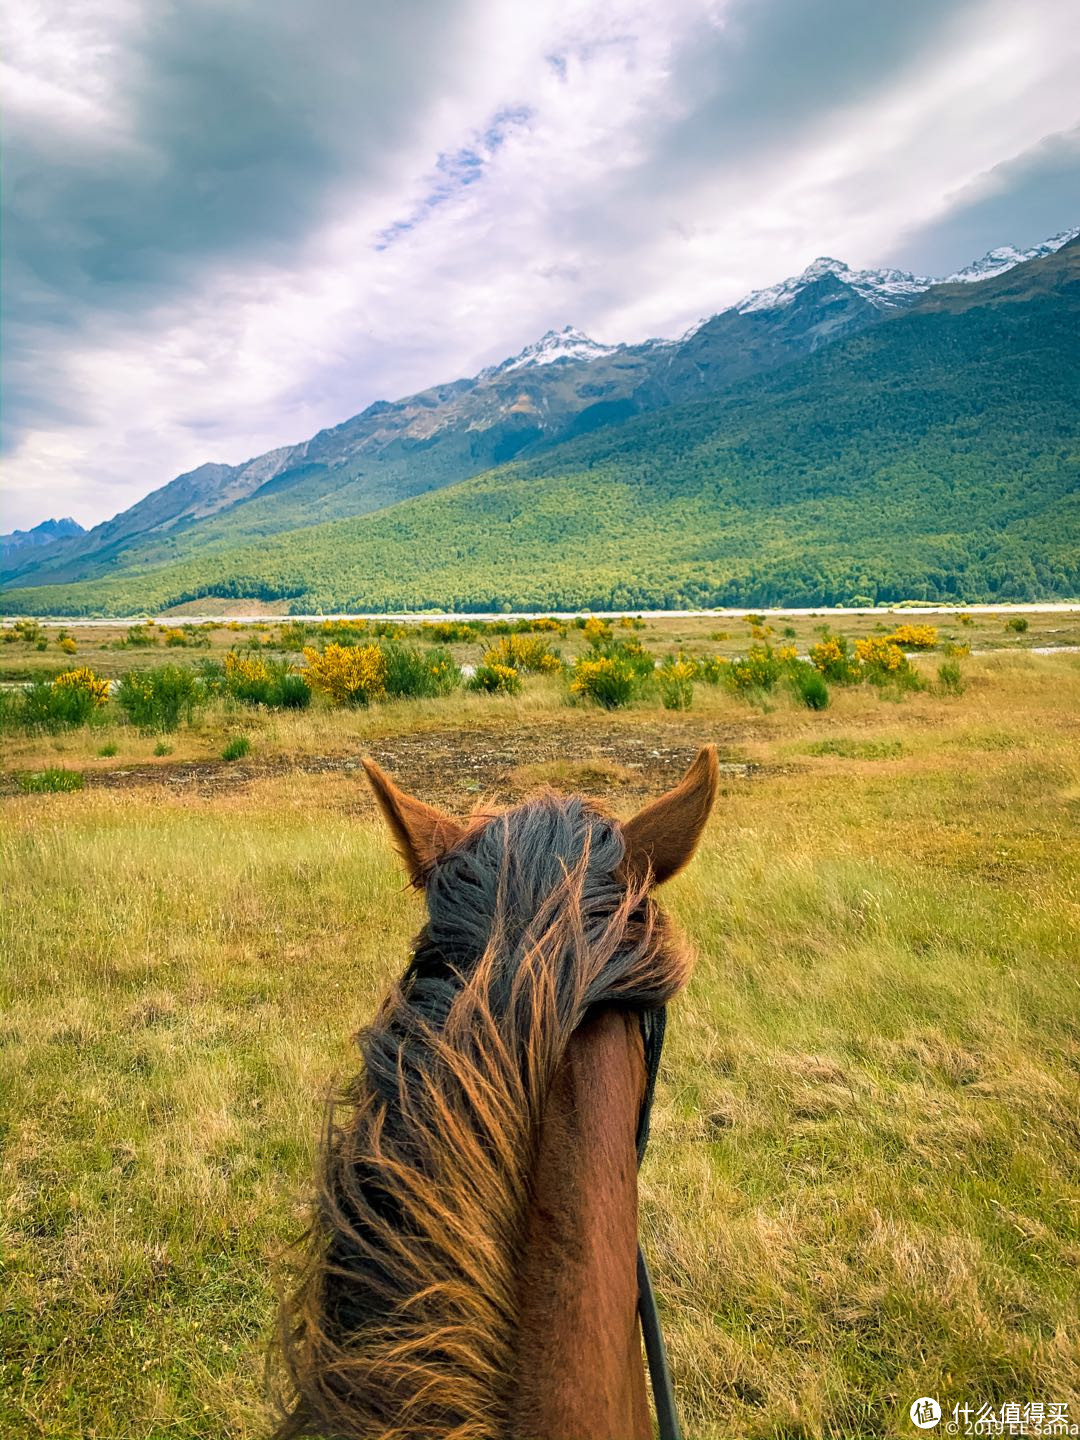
{"x":493,"y":1126}
{"x":656,"y":843}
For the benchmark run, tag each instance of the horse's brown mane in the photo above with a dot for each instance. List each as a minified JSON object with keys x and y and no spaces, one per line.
{"x":404,"y":1322}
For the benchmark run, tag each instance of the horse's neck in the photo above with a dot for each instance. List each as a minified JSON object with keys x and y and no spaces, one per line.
{"x":580,"y":1364}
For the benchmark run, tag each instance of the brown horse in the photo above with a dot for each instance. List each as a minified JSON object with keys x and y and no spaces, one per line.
{"x":470,"y":1270}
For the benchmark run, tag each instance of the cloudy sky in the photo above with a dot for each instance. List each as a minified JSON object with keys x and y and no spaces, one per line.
{"x":230,"y":224}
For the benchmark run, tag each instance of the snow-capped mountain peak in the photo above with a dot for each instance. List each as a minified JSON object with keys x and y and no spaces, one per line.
{"x":1004,"y":257}
{"x":891,"y":289}
{"x":883,"y":288}
{"x":566,"y":344}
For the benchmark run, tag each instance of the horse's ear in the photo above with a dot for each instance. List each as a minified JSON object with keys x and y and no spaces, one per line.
{"x":422,"y":834}
{"x":661,"y":839}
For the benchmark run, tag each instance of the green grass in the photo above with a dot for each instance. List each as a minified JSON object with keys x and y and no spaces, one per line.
{"x":849,"y":749}
{"x":53,"y":781}
{"x":862,"y":1182}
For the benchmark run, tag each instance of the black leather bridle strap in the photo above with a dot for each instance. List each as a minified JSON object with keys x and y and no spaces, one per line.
{"x":667,"y":1417}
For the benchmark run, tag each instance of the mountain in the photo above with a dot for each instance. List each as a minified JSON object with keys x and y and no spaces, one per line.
{"x":563,"y":385}
{"x":21,"y":542}
{"x":1006,"y":257}
{"x":884,"y":289}
{"x":552,"y":349}
{"x":933,"y":455}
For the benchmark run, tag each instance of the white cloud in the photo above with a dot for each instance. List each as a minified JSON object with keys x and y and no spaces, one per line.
{"x":583,"y":179}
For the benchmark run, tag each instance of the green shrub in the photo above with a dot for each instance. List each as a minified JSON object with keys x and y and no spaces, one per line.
{"x":71,"y":699}
{"x":160,"y":698}
{"x":257,"y":680}
{"x":418,"y":674}
{"x":951,"y":678}
{"x":107,"y":751}
{"x":495,"y":680}
{"x":293,"y":636}
{"x":12,"y":710}
{"x":138,"y":636}
{"x":237,"y":748}
{"x":1017,"y":623}
{"x":630,"y":654}
{"x":163,"y":748}
{"x":293,"y":693}
{"x":808,"y":684}
{"x":51,"y":782}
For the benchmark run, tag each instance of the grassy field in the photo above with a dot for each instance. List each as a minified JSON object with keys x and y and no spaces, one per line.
{"x":864,"y":1179}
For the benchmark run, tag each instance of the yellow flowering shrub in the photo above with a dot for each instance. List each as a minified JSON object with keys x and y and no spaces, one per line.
{"x":95,"y":687}
{"x":73,"y":698}
{"x":712,"y":669}
{"x":67,"y":645}
{"x":786,"y":653}
{"x":834,"y":660}
{"x":523,"y":652}
{"x":880,"y":653}
{"x":826,"y":653}
{"x":597,"y":630}
{"x":915,"y":637}
{"x":347,"y":674}
{"x":245,"y":670}
{"x":758,"y":669}
{"x":495,"y":679}
{"x":676,"y":680}
{"x":610,"y":680}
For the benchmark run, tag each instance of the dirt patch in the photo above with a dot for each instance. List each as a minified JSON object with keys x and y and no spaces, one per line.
{"x":458,"y":766}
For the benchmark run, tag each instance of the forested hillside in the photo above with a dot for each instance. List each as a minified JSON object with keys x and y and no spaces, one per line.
{"x":935,"y":456}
